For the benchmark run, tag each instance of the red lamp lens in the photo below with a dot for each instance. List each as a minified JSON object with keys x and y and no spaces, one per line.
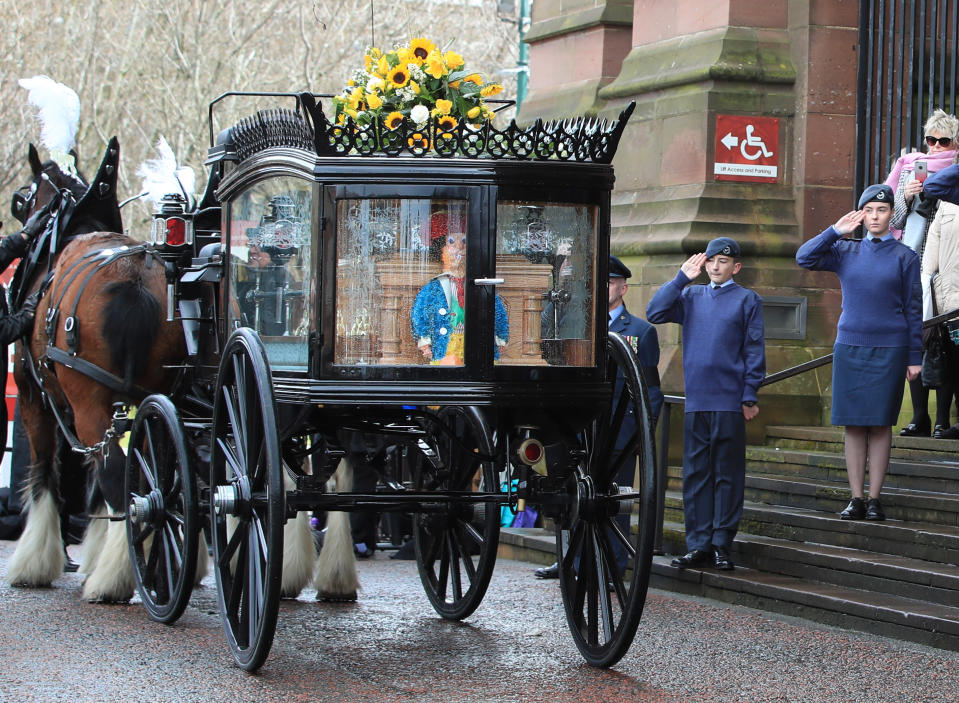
{"x":175,"y":231}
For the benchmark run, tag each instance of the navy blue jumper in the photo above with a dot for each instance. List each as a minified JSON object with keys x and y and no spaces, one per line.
{"x":724,"y":362}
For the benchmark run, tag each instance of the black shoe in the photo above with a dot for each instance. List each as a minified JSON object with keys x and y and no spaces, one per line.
{"x":722,"y":560}
{"x":874,"y":510}
{"x":548,"y":572}
{"x":950,"y":433}
{"x":916,"y":429}
{"x":696,"y":559}
{"x":937,"y":431}
{"x":856,"y":510}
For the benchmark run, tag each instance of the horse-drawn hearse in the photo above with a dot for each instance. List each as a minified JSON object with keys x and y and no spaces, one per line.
{"x":437,"y":289}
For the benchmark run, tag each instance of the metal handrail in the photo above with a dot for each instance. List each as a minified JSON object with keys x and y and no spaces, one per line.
{"x":668,"y":400}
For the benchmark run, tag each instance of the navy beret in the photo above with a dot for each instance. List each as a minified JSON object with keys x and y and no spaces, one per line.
{"x":724,"y":246}
{"x":617,"y":269}
{"x":880,"y":193}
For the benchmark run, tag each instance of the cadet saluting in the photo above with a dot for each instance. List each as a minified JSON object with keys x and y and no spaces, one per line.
{"x":878,"y":341}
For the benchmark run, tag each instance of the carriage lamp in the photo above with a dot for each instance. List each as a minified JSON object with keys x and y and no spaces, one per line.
{"x":530,"y":451}
{"x":170,"y":226}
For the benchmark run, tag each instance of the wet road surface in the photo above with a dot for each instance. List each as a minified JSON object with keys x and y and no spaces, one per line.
{"x":390,"y":646}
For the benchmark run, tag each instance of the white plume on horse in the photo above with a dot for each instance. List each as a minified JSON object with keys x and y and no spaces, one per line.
{"x":162,"y":176}
{"x":59,"y":112}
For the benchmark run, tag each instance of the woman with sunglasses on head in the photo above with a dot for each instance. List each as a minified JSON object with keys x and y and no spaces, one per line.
{"x":914,"y":210}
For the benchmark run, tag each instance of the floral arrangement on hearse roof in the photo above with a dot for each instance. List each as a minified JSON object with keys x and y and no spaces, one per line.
{"x":416,"y":97}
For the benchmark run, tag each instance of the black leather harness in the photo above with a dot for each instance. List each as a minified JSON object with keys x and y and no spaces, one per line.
{"x":87,"y":266}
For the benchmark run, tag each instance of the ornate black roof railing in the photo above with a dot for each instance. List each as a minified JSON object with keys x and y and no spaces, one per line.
{"x":587,"y":140}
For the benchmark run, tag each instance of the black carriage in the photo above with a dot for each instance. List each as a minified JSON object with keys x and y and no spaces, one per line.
{"x":315,"y":309}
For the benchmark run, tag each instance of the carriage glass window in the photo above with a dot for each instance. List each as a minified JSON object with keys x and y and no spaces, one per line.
{"x":546,"y":253}
{"x":400,"y":281}
{"x":269,"y":267}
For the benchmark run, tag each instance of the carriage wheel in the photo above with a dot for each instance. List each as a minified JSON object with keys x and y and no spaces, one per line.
{"x":605,"y":539}
{"x":456,"y":544}
{"x":246,"y":500}
{"x":162,"y":521}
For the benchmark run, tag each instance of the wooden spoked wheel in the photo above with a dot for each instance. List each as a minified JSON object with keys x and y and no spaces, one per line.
{"x":247,"y":502}
{"x":605,"y":538}
{"x":162,"y":516}
{"x":456,"y":542}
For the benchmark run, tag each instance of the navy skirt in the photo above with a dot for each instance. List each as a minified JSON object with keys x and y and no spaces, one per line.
{"x":867,"y":385}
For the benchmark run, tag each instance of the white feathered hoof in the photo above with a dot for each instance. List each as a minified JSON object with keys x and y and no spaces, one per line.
{"x":38,"y":559}
{"x":92,"y":546}
{"x":299,"y":556}
{"x":111,"y":580}
{"x":336,"y":578}
{"x":202,"y":562}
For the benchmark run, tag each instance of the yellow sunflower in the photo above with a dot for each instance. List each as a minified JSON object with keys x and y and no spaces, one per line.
{"x":491,"y":89}
{"x":443,"y":107}
{"x":394,"y":120}
{"x":398,"y":76}
{"x":446,"y":123}
{"x":421,"y":47}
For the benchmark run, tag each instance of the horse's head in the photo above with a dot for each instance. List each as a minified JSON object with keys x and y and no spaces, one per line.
{"x":48,"y":181}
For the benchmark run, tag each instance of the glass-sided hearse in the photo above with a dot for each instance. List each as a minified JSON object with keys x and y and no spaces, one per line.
{"x":439,"y":293}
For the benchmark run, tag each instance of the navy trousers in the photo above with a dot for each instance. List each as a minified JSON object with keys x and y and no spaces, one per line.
{"x":714,"y":477}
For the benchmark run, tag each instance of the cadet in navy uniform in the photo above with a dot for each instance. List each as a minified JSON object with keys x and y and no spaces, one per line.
{"x":647,"y":349}
{"x":724,"y":361}
{"x":878,"y":339}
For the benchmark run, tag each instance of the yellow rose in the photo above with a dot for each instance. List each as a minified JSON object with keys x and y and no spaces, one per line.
{"x":416,"y":87}
{"x":473,"y":113}
{"x":443,"y":107}
{"x":374,"y":101}
{"x":453,"y":60}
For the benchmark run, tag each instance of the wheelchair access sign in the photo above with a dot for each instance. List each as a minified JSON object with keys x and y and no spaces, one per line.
{"x":747,"y":148}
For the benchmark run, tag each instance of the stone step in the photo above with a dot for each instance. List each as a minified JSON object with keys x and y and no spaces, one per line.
{"x":830,"y":439}
{"x":919,"y":540}
{"x":911,"y":619}
{"x":840,"y":566}
{"x":938,"y":475}
{"x":898,"y":503}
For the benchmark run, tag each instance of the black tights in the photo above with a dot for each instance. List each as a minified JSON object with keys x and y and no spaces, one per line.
{"x":920,"y":402}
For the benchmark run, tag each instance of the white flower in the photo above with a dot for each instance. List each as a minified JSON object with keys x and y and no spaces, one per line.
{"x":375,"y":84}
{"x":416,"y":73}
{"x":420,"y":114}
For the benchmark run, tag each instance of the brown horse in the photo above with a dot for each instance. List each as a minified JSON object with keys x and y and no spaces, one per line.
{"x":106,"y":294}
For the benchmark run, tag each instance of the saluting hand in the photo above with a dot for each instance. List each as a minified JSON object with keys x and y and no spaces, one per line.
{"x":848,"y":222}
{"x":693,"y":266}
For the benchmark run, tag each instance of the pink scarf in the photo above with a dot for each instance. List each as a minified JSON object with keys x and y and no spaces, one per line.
{"x":936,"y":162}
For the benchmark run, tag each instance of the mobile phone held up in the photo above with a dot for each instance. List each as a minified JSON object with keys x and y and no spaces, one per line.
{"x":922,"y":171}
